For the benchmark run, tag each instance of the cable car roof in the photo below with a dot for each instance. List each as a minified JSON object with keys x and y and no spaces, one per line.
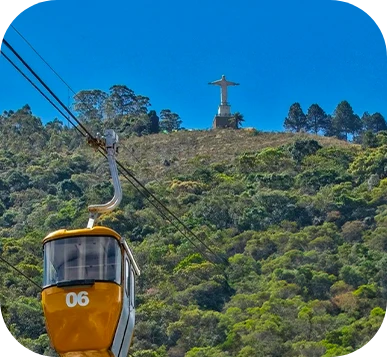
{"x":95,"y":231}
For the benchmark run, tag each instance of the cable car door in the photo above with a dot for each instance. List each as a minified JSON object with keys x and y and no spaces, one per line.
{"x":125,"y":327}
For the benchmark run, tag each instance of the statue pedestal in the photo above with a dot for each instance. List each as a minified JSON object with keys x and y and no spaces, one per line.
{"x":224,"y":110}
{"x":224,"y":121}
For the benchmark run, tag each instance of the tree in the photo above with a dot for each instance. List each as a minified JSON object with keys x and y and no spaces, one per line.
{"x":139,"y":125}
{"x":17,"y":181}
{"x":90,"y":105}
{"x":120,"y":101}
{"x":55,"y":126}
{"x":330,"y":129}
{"x":316,"y":119}
{"x":124,"y":108}
{"x":169,"y":121}
{"x":301,"y":148}
{"x":22,"y":130}
{"x":140,"y":104}
{"x":154,"y":122}
{"x":123,"y":101}
{"x":26,"y":110}
{"x":345,"y":121}
{"x":69,"y":189}
{"x":352,"y":276}
{"x":369,"y":139}
{"x":296,"y":119}
{"x":374,"y":122}
{"x":237,"y":120}
{"x":189,"y":336}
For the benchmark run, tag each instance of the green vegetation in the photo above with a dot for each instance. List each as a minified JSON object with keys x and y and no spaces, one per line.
{"x":301,"y":220}
{"x":123,"y":110}
{"x":343,"y":124}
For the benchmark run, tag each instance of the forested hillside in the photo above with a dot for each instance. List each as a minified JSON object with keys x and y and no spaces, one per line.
{"x":301,"y":220}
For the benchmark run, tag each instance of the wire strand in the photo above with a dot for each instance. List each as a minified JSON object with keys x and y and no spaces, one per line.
{"x":161,"y":212}
{"x":20,"y":272}
{"x":49,"y":66}
{"x":87,"y":133}
{"x":170,"y":212}
{"x":39,"y":90}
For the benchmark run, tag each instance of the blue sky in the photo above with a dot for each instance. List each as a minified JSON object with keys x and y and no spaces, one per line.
{"x":281,"y":52}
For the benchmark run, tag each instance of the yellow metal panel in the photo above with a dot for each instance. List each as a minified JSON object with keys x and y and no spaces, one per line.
{"x":88,"y":354}
{"x":83,"y":318}
{"x":95,"y":231}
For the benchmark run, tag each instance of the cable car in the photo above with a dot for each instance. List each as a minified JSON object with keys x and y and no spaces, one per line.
{"x":89,"y":278}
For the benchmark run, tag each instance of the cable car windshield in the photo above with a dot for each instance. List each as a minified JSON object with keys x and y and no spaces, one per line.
{"x":95,"y":258}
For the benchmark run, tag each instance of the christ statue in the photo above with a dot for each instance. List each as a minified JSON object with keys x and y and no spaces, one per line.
{"x":223,"y":83}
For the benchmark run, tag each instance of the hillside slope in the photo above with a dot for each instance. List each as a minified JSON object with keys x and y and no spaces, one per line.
{"x":300,"y":219}
{"x":160,"y":154}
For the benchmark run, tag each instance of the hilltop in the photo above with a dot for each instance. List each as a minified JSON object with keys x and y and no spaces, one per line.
{"x":162,"y":154}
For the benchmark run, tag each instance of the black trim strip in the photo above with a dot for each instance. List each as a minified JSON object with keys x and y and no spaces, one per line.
{"x":62,"y":284}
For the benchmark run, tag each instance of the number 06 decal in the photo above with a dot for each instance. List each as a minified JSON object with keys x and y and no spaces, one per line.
{"x":72,"y":299}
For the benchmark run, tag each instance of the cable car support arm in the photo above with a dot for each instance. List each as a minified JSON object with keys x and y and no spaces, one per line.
{"x":111,"y":147}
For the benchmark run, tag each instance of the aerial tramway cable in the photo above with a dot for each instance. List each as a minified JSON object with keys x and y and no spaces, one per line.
{"x":20,"y":272}
{"x":118,"y":163}
{"x":122,"y":169}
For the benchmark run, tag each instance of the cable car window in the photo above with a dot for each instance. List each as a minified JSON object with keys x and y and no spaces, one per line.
{"x":95,"y":258}
{"x":127,"y":276}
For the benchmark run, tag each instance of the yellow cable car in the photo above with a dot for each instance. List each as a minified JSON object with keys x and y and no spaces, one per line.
{"x":89,"y":284}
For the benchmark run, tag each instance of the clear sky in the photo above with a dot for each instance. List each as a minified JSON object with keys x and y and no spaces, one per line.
{"x":281,"y":52}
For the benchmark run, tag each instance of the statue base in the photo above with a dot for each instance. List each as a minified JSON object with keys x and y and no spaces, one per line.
{"x":224,"y":121}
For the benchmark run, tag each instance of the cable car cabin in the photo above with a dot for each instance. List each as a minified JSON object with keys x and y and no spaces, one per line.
{"x":88,"y":292}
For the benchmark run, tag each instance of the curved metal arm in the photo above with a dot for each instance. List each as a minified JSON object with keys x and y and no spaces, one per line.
{"x":96,"y":210}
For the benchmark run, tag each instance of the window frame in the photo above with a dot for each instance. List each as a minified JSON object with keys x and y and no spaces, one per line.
{"x":51,"y":251}
{"x":132,"y":287}
{"x":127,"y":276}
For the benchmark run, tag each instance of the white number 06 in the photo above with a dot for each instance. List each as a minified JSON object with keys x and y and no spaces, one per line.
{"x":72,"y":299}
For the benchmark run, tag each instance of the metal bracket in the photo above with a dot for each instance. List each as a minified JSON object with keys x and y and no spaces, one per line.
{"x":111,"y":146}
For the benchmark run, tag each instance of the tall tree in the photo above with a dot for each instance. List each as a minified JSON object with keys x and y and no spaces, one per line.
{"x":169,"y":120}
{"x":123,"y":106}
{"x":119,"y":103}
{"x":154,"y":122}
{"x":124,"y":101}
{"x":374,"y":122}
{"x":316,"y":119}
{"x":141,"y":104}
{"x":331,"y":130}
{"x":296,"y":119}
{"x":345,"y":121}
{"x":23,"y":130}
{"x":90,"y":105}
